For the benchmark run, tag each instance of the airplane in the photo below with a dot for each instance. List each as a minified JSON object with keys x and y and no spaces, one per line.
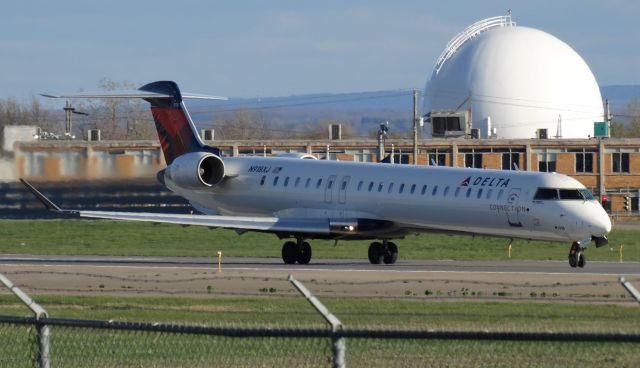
{"x":298,"y":197}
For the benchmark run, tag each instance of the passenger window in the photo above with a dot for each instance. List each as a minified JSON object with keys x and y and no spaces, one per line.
{"x":370,"y":186}
{"x":468,"y":192}
{"x":446,"y":191}
{"x":424,"y":189}
{"x":435,"y":190}
{"x":457,"y":192}
{"x":297,"y":182}
{"x":390,"y":188}
{"x":489,"y":193}
{"x":319,"y":183}
{"x":306,"y":185}
{"x":264,"y":177}
{"x":401,"y":188}
{"x":275,"y":181}
{"x":479,"y":193}
{"x":286,"y":181}
{"x":380,"y":186}
{"x":330,"y":184}
{"x":360,"y":185}
{"x":500,"y":193}
{"x":344,"y":185}
{"x":413,"y":188}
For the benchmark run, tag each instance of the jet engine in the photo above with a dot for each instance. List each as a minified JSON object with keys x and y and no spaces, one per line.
{"x":196,"y":170}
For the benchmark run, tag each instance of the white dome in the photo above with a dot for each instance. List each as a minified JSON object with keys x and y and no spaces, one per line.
{"x":523,"y":79}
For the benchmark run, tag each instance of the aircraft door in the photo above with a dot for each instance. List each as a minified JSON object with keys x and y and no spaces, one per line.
{"x":513,"y":212}
{"x":328,"y":189}
{"x":344,"y":184}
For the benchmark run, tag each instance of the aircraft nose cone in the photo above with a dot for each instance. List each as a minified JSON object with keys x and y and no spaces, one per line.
{"x":602,"y":224}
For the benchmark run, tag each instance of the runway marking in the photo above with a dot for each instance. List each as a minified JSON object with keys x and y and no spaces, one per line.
{"x":291,"y":270}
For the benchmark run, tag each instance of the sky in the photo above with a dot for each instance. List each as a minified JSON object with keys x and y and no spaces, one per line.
{"x":280,"y":48}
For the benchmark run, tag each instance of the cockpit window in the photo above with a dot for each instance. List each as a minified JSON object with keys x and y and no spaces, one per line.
{"x":543,"y":194}
{"x":570,"y":194}
{"x":546,"y":194}
{"x":587,"y":194}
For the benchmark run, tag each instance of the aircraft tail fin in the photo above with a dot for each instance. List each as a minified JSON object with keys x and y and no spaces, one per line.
{"x":176,"y":130}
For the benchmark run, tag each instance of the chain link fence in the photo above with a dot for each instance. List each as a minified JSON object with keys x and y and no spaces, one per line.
{"x":87,"y":343}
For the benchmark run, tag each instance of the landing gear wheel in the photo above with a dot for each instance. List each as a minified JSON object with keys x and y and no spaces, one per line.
{"x":376,"y":253}
{"x":304,"y":253}
{"x":574,"y":255}
{"x":582,"y":260}
{"x":391,"y":253}
{"x":290,"y":252}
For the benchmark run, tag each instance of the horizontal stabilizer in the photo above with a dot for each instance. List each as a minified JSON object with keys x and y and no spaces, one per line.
{"x":132,"y":93}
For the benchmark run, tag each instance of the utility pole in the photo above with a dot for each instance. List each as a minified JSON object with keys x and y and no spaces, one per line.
{"x":68,"y":110}
{"x":415,"y":127}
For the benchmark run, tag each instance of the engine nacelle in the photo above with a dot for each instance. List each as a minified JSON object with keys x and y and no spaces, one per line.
{"x":196,"y":170}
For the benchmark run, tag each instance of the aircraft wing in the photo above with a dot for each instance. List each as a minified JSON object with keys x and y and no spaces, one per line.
{"x":270,"y":224}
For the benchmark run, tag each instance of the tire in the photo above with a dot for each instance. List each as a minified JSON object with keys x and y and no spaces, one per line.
{"x":391,"y":254}
{"x":375,"y":253}
{"x":573,"y":259}
{"x":290,"y":252}
{"x":304,"y":253}
{"x":582,"y":260}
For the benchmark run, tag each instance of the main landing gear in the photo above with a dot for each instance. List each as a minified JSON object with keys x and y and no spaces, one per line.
{"x":576,"y":256}
{"x":299,"y":251}
{"x":386,"y":252}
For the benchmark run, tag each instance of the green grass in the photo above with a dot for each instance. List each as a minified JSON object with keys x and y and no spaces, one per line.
{"x":88,"y":347}
{"x":86,"y":237}
{"x":353,"y":312}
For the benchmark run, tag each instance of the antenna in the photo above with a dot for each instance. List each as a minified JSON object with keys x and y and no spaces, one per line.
{"x":559,"y":127}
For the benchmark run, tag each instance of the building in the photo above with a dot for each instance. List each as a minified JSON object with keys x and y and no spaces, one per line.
{"x":610,"y":168}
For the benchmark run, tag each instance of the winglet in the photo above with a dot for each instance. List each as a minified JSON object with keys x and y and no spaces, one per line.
{"x":41,"y":197}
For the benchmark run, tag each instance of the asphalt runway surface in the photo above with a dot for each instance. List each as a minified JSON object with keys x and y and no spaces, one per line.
{"x":244,"y":263}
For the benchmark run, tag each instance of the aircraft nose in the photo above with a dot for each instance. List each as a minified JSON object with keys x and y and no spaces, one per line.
{"x":601,"y":224}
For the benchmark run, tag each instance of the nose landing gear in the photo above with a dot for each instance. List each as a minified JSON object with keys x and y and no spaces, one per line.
{"x":386,"y":252}
{"x":576,"y":256}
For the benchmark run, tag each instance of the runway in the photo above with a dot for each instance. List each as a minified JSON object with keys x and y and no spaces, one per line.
{"x":413,"y":266}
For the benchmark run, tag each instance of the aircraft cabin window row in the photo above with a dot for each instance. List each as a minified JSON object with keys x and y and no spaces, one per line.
{"x":541,"y":194}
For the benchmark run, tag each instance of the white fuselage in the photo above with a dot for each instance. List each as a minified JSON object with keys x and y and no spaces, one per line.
{"x":416,"y":198}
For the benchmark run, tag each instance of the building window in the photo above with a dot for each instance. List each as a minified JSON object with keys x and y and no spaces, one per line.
{"x":437,"y":157}
{"x":620,"y":162}
{"x":510,"y":160}
{"x":473,"y":160}
{"x":547,"y":162}
{"x":584,"y":162}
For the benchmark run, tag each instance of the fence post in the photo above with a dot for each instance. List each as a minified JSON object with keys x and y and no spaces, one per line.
{"x":338,"y":345}
{"x":632,"y":290}
{"x":42,"y":330}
